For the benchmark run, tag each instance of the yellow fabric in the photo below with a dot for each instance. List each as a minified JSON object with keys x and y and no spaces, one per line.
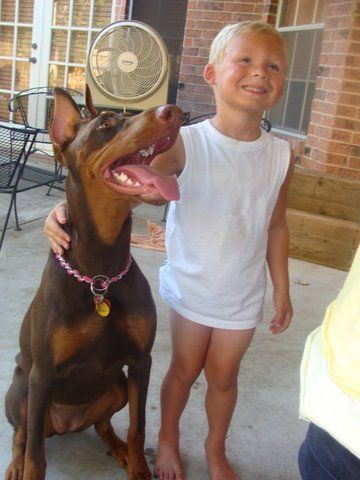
{"x":341,"y":333}
{"x":323,"y":402}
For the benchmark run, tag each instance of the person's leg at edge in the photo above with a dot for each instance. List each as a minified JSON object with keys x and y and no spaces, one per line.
{"x":222,"y":363}
{"x":189,"y":346}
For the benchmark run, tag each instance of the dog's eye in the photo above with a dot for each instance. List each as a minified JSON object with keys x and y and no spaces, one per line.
{"x":104,"y":124}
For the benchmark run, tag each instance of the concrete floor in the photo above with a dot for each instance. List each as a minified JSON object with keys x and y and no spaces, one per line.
{"x":265,"y":433}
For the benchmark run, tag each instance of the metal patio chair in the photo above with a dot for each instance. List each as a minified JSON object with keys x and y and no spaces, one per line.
{"x":16,"y":145}
{"x":20,"y":102}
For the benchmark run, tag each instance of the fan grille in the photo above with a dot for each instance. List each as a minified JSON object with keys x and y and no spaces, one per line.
{"x":128,"y":61}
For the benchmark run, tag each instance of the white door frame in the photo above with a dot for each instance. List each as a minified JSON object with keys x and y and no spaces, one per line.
{"x":40,"y":51}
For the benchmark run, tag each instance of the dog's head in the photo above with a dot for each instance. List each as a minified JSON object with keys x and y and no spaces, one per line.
{"x":111,"y":152}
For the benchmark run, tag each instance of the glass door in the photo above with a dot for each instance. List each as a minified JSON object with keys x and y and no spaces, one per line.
{"x":24,"y":40}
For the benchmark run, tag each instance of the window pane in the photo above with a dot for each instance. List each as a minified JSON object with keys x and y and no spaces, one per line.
{"x":26,"y":11}
{"x":7,"y":11}
{"x":24,"y":42}
{"x":304,"y":47}
{"x":58,"y":45}
{"x":56,"y":75}
{"x":22,"y":77}
{"x":76,"y":78}
{"x":306,"y":12}
{"x":276,"y":113}
{"x":49,"y":108}
{"x":289,"y":14}
{"x":7,"y":40}
{"x":18,"y":118}
{"x":289,"y":39}
{"x":307,"y":110}
{"x":102,"y":13}
{"x":294,"y":106}
{"x":302,"y":54}
{"x":321,"y":12}
{"x":78,"y":47}
{"x":61,"y":12}
{"x":316,"y":55}
{"x":4,"y":111}
{"x":93,"y":35}
{"x":81,"y":13}
{"x":5,"y":74}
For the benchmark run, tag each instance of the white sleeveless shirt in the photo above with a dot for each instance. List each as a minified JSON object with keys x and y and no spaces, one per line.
{"x":216,"y":234}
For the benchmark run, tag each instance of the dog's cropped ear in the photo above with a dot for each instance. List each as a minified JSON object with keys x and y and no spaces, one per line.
{"x":62,"y":128}
{"x":89,"y":103}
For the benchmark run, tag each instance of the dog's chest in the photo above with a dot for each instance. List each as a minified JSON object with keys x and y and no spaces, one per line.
{"x":103,"y":340}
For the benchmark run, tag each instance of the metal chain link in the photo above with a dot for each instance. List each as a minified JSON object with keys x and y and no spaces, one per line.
{"x":105,"y":282}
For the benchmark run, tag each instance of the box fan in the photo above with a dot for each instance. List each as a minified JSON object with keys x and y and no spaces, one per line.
{"x":128,"y":67}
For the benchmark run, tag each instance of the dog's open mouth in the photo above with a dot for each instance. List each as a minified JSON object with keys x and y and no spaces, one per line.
{"x":132,"y":175}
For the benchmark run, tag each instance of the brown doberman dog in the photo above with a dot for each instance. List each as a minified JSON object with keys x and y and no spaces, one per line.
{"x":93,"y":313}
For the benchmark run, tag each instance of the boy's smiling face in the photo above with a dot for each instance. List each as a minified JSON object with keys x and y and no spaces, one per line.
{"x":250,"y":76}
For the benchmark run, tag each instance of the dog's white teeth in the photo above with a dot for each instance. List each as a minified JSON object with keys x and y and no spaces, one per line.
{"x":123,"y":178}
{"x":147,"y":151}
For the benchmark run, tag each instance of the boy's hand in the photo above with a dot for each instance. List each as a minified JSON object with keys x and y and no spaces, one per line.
{"x":283,"y":315}
{"x":58,"y":238}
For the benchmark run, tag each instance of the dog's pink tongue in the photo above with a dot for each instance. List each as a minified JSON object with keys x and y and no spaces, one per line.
{"x":166,"y":185}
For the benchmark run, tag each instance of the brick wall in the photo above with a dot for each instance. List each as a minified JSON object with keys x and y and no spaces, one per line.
{"x":333,"y":139}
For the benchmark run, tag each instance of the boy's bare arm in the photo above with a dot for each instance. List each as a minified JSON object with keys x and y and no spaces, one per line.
{"x":58,"y":238}
{"x":277,"y":258}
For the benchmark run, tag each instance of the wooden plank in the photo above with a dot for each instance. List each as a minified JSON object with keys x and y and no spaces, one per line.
{"x":323,"y":240}
{"x":325,"y":194}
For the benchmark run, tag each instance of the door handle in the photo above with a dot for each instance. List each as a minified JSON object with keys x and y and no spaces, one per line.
{"x":32,"y":59}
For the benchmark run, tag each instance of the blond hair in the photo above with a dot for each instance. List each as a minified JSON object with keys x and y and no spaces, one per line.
{"x":229,"y":32}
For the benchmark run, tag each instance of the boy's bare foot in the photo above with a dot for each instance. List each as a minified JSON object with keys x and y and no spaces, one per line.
{"x":168,"y":465}
{"x":219,"y":466}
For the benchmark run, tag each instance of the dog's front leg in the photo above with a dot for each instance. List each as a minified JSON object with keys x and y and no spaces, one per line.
{"x":35,"y":446}
{"x":138,"y":382}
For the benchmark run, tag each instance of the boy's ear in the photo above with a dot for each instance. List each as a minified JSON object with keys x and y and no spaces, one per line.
{"x":210,"y":74}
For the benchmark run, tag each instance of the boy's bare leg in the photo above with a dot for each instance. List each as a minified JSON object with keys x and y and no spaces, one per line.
{"x":189,"y":346}
{"x":226,"y":349}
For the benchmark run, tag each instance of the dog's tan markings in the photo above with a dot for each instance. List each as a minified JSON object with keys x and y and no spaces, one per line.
{"x":139,"y":329}
{"x":117,"y":447}
{"x":101,"y":199}
{"x":108,"y":227}
{"x":16,"y":467}
{"x":32,"y":469}
{"x":66,"y":341}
